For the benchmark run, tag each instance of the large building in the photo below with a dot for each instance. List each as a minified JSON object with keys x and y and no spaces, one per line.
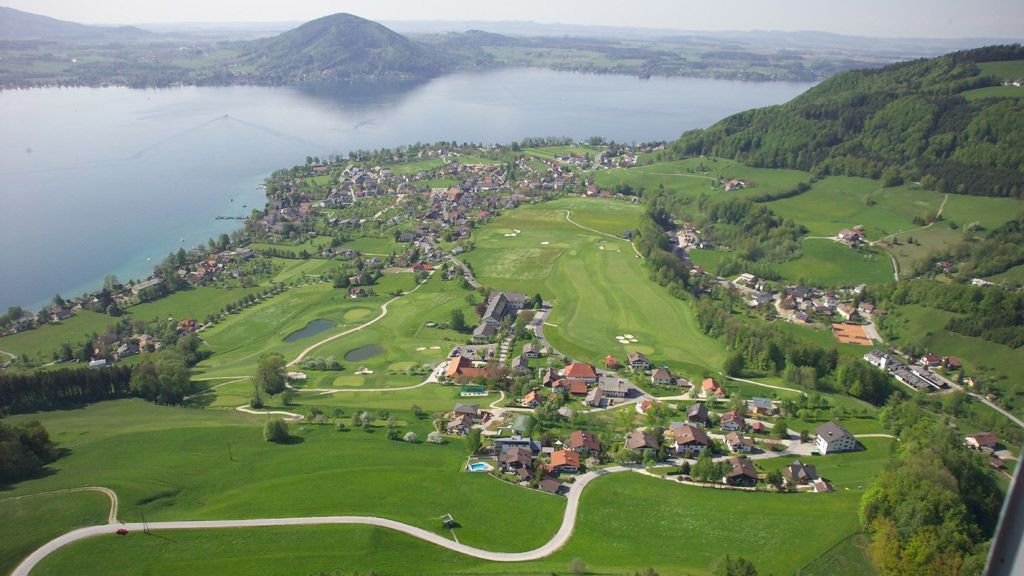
{"x":832,"y":437}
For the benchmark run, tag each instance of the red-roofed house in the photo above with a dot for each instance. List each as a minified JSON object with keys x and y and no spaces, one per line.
{"x":583,"y":442}
{"x":532,"y":399}
{"x":611,"y":362}
{"x":580,"y":371}
{"x":982,"y":441}
{"x":565,"y":461}
{"x":578,"y":388}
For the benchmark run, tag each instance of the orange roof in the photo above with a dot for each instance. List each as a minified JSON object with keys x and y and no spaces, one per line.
{"x":565,"y":458}
{"x":709,"y":384}
{"x":611,"y":361}
{"x":579,"y":370}
{"x":578,"y":387}
{"x":457,"y":365}
{"x":531,"y":397}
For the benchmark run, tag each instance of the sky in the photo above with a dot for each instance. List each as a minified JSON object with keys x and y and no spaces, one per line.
{"x":880,"y":18}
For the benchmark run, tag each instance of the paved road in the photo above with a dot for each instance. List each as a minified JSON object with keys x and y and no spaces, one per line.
{"x":555,"y":543}
{"x":997,"y":408}
{"x":383,"y":313}
{"x":466,"y":272}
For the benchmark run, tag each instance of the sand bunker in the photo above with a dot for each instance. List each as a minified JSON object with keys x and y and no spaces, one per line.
{"x":421,"y":348}
{"x":362,"y":371}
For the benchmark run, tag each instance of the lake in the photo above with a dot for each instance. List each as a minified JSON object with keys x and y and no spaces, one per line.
{"x":97,"y":181}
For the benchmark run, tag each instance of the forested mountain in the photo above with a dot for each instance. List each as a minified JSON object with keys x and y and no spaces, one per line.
{"x":18,"y":25}
{"x":339,"y":47}
{"x":904,"y":121}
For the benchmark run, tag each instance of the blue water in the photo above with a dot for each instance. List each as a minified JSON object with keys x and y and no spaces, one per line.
{"x":313,"y":328}
{"x":95,"y":181}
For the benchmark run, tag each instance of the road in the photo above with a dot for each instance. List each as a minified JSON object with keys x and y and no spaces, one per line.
{"x":383,"y":313}
{"x":552,"y":545}
{"x":995,"y":407}
{"x":766,"y":385}
{"x":466,"y":272}
{"x":110,"y":494}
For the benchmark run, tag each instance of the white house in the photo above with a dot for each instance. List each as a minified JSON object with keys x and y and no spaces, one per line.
{"x":832,"y":437}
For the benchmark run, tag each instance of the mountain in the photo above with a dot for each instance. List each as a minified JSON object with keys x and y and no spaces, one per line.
{"x":18,"y":25}
{"x":937,"y":121}
{"x":340,"y":47}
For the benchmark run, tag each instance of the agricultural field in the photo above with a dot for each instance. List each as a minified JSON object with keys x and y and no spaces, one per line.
{"x":695,"y":176}
{"x":596,"y":283}
{"x":40,"y":342}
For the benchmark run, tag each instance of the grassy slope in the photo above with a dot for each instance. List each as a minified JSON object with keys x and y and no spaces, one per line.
{"x":695,"y":176}
{"x":30,"y":522}
{"x":598,"y":287}
{"x":828,"y":263}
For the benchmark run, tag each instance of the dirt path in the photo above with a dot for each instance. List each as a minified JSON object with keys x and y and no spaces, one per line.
{"x":765,"y":385}
{"x":13,"y":356}
{"x":383,"y":313}
{"x":289,"y":416}
{"x":568,"y":216}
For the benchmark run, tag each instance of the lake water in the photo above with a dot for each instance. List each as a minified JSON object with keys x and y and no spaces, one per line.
{"x":97,"y":181}
{"x":364,"y":353}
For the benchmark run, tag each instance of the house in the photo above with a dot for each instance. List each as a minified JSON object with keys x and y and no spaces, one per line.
{"x":639,"y":440}
{"x":710,"y":388}
{"x":595,"y":398}
{"x":62,"y":314}
{"x":613,"y":388}
{"x":561,"y":385}
{"x":422,"y":267}
{"x":357,"y":292}
{"x":661,"y":376}
{"x":637,"y":361}
{"x":985,"y":441}
{"x":845,"y":311}
{"x":739,"y":443}
{"x":484,"y":331}
{"x":951,"y":363}
{"x":471,"y":410}
{"x":740,"y":471}
{"x":460,"y":425}
{"x":831,"y":437}
{"x":761,"y":407}
{"x":531,"y":400}
{"x":733,"y":421}
{"x":551,"y":485}
{"x":578,"y":388}
{"x":516,"y":458}
{"x":524,"y":474}
{"x":460,"y":366}
{"x":580,"y":371}
{"x":502,"y":445}
{"x":565,"y":461}
{"x":127,"y":349}
{"x":735,"y":184}
{"x":690,"y":440}
{"x":549,"y":378}
{"x":644,"y":405}
{"x":930,"y":360}
{"x":697,"y":414}
{"x":850,"y":237}
{"x":531,"y":350}
{"x":759,"y":428}
{"x":799,"y":473}
{"x":519,"y":365}
{"x":611,"y":362}
{"x":584,"y":443}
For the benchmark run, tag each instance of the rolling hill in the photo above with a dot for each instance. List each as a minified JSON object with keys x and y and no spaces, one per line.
{"x":18,"y":25}
{"x":906,"y":121}
{"x":340,"y":47}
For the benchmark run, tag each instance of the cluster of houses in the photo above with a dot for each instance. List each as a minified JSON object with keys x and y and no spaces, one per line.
{"x":919,"y":377}
{"x":501,"y":306}
{"x":802,"y":303}
{"x":987,"y":443}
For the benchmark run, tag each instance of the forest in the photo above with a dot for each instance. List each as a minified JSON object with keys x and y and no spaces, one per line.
{"x":905,"y":122}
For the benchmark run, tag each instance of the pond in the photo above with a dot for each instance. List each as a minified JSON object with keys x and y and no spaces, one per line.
{"x":313,"y":328}
{"x":368,"y":351}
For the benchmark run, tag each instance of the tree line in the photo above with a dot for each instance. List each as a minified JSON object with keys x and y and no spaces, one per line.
{"x":24,"y":450}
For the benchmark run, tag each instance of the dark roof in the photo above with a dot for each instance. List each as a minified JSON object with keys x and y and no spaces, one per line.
{"x":640,"y":440}
{"x":698,"y":410}
{"x":831,"y":431}
{"x":689,"y":435}
{"x":517,"y":455}
{"x":741,"y":466}
{"x":799,"y":473}
{"x":582,"y":439}
{"x":550,"y":485}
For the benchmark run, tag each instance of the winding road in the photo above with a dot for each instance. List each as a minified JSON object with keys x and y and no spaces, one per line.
{"x":552,"y":545}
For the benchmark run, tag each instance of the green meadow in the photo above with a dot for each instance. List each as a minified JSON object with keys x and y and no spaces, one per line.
{"x":597,"y":285}
{"x":696,"y":176}
{"x":31,"y":521}
{"x":827,"y":263}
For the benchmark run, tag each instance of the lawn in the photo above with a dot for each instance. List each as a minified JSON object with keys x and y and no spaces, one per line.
{"x":831,"y":264}
{"x":196,"y":303}
{"x":30,"y":522}
{"x":598,"y":287}
{"x":42,"y":341}
{"x":848,"y":558}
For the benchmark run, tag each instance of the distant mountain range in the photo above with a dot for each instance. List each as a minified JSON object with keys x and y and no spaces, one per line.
{"x":18,"y":25}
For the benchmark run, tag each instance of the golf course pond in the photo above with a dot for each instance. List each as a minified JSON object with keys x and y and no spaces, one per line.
{"x":363,"y":353}
{"x":313,"y":328}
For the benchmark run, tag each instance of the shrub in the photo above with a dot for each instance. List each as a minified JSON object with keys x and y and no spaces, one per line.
{"x":410,"y":437}
{"x":275,"y":431}
{"x":435,"y":438}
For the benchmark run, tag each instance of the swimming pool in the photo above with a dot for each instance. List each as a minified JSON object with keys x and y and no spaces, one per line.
{"x":480,"y":467}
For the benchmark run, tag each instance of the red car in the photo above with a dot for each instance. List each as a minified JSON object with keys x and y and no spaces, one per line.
{"x":122,"y":531}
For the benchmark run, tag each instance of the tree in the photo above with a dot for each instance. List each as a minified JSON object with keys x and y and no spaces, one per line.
{"x":458,"y":320}
{"x":162,"y":377}
{"x":734,"y":364}
{"x":780,"y":430}
{"x":275,"y":430}
{"x":774,"y":478}
{"x":735,"y":567}
{"x":270,"y":374}
{"x":435,"y":437}
{"x":578,"y":566}
{"x":537,"y":302}
{"x":410,"y":437}
{"x":473,"y":440}
{"x":706,"y":468}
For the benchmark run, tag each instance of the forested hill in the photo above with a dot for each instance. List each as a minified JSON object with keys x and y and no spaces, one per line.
{"x":340,"y":47}
{"x":907,"y":121}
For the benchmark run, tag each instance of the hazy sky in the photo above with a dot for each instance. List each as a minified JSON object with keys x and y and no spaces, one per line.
{"x":902,"y":18}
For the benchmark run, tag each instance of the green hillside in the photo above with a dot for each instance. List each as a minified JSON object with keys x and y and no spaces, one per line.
{"x":340,"y":47}
{"x":18,"y":25}
{"x":907,"y":121}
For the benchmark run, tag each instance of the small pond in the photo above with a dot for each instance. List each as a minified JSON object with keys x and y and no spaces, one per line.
{"x":314,"y":327}
{"x":368,"y":351}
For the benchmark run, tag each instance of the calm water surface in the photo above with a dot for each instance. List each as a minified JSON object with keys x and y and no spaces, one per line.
{"x":97,"y":181}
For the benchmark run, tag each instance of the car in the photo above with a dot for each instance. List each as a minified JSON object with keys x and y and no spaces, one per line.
{"x":122,"y":531}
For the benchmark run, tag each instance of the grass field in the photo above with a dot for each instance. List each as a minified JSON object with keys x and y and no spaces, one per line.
{"x":596,"y":284}
{"x":31,"y":522}
{"x":848,"y":558}
{"x":605,"y":537}
{"x":827,"y":263}
{"x":41,"y":342}
{"x":695,"y":176}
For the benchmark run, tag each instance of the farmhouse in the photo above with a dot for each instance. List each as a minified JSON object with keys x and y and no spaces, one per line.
{"x":985,"y":441}
{"x":733,"y":421}
{"x":799,"y":473}
{"x":639,"y":440}
{"x":578,"y":388}
{"x":613,"y":388}
{"x":850,"y":237}
{"x":637,"y":361}
{"x":739,"y":443}
{"x":580,"y":371}
{"x":832,"y":437}
{"x":661,"y":376}
{"x":460,"y":366}
{"x":690,"y":441}
{"x":583,"y":443}
{"x":740,"y":471}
